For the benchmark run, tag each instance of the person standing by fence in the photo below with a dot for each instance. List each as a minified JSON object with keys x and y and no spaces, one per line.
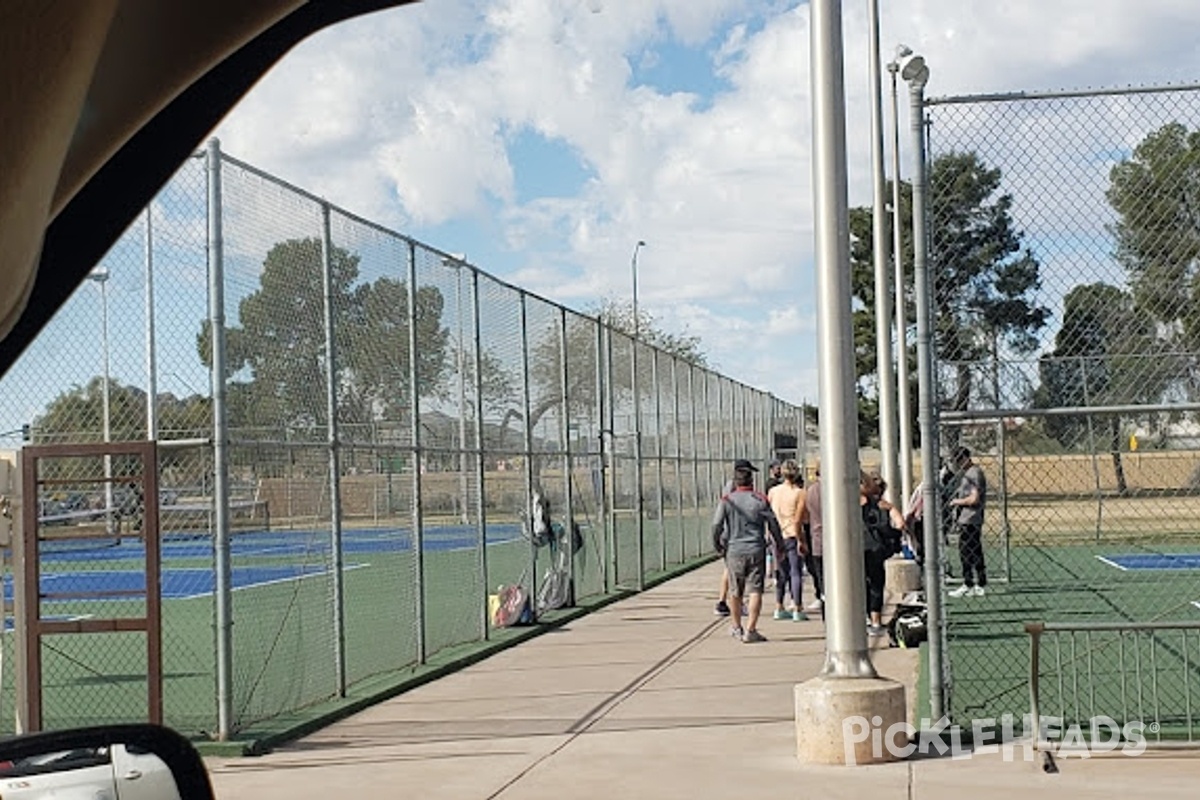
{"x":969,"y":503}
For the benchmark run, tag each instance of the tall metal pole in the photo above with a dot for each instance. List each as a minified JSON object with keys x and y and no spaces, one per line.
{"x":904,"y":402}
{"x":151,"y":355}
{"x":564,"y":378}
{"x":480,"y":477}
{"x":604,"y":425}
{"x":883,"y":294}
{"x":658,"y":460}
{"x":639,"y":500}
{"x":101,"y":278}
{"x":221,"y":551}
{"x":917,"y":75}
{"x":335,"y":471}
{"x":418,"y":511}
{"x":527,"y":430}
{"x":678,"y":456}
{"x":460,"y":368}
{"x":845,"y":634}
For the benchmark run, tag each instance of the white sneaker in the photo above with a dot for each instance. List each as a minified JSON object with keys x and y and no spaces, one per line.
{"x":962,"y":591}
{"x":978,"y":591}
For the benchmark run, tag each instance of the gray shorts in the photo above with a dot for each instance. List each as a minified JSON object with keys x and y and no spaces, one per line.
{"x":746,"y":572}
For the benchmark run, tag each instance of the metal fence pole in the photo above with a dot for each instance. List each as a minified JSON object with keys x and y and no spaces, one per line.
{"x":708,"y":444}
{"x":480,"y":472}
{"x":923,"y":287}
{"x":658,"y":460}
{"x":151,"y":366}
{"x":846,"y":635}
{"x":460,"y":363}
{"x":604,"y":427}
{"x":526,"y":400}
{"x":221,"y":555}
{"x":678,"y":461}
{"x":418,"y":516}
{"x":695,"y":458}
{"x":564,"y":383}
{"x":903,"y":400}
{"x":335,"y":471}
{"x":639,"y":491}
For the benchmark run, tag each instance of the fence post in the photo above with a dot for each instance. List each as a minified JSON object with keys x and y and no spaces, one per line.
{"x":639,"y":503}
{"x":221,"y":555}
{"x":927,"y":411}
{"x":603,"y":426}
{"x":678,"y":461}
{"x":658,"y":459}
{"x":695,"y":459}
{"x":528,"y":445}
{"x":335,"y":472}
{"x":151,"y":366}
{"x":480,"y":472}
{"x":414,"y":389}
{"x":564,"y":378}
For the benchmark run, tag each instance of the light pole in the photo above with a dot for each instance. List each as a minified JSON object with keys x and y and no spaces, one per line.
{"x":100,"y":278}
{"x":633,"y":268}
{"x":904,"y":404}
{"x":916,"y":73}
{"x":883,"y":297}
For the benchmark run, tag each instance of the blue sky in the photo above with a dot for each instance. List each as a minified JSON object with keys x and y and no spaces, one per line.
{"x":543,"y":138}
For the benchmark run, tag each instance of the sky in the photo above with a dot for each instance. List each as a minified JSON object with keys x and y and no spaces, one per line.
{"x":544,"y":138}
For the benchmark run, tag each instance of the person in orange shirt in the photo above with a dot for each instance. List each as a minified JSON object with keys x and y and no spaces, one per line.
{"x":787,"y":501}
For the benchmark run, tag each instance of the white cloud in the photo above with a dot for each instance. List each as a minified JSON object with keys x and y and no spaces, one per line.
{"x":406,"y":117}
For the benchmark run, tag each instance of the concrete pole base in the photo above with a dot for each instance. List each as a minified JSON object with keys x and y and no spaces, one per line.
{"x":850,"y":721}
{"x":903,"y":576}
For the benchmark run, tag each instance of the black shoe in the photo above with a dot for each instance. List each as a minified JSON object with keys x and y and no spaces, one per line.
{"x":721,"y":609}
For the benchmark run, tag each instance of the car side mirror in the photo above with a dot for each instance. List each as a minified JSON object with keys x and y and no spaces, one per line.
{"x":99,"y":761}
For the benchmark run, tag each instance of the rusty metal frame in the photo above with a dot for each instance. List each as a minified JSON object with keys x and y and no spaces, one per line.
{"x":33,"y":627}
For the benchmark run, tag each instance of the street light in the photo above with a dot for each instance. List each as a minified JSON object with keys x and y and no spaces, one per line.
{"x":883,"y":297}
{"x":902,"y":379}
{"x":100,"y":278}
{"x":633,"y":267}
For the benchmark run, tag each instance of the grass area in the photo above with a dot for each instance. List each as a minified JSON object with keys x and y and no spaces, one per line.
{"x":1126,"y":676}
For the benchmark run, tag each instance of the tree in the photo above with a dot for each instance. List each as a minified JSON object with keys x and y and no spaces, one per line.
{"x":1104,"y":354}
{"x":984,"y":281}
{"x":280,"y":342}
{"x":1156,"y":195}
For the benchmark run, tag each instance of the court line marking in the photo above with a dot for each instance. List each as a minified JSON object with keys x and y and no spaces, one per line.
{"x":300,"y":577}
{"x":1112,"y":563}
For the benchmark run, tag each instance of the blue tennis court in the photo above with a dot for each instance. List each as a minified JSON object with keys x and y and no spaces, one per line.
{"x":289,"y":544}
{"x":177,"y":584}
{"x":1153,"y":561}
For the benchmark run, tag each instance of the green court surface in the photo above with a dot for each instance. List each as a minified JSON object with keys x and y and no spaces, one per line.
{"x":284,"y":643}
{"x":1148,"y":676}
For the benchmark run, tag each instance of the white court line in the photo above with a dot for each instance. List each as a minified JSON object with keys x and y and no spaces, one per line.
{"x":1112,"y":563}
{"x":302,"y":576}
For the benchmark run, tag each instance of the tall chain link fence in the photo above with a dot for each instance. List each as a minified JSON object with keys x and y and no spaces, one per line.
{"x":349,"y":447}
{"x":1064,"y":245}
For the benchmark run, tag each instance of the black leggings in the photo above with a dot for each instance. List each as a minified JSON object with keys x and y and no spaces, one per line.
{"x":874,"y":560}
{"x":788,"y":575}
{"x":970,"y":552}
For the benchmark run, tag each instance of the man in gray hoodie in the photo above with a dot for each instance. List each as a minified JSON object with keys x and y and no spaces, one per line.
{"x":740,"y":526}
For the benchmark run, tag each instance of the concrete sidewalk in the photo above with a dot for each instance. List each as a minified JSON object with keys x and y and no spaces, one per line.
{"x":649,"y":697}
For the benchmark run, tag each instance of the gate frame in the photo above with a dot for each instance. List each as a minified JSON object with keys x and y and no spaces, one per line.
{"x":30,"y":627}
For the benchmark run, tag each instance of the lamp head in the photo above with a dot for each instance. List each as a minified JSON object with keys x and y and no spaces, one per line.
{"x":916,"y":72}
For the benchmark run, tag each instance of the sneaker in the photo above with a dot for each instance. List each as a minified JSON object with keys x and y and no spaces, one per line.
{"x":876,"y":630}
{"x":737,"y":633}
{"x":978,"y":591}
{"x":781,"y":614}
{"x":799,"y":616}
{"x":962,"y":591}
{"x":721,"y":609}
{"x":753,"y":636}
{"x":815,"y":605}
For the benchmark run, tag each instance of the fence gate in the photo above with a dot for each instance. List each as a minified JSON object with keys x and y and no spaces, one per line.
{"x":87,"y":585}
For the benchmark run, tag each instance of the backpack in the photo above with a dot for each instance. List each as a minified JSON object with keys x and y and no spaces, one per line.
{"x":909,"y":625}
{"x":510,"y":606}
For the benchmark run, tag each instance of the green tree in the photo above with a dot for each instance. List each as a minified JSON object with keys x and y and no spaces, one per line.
{"x":1156,"y":195}
{"x":1105,"y":353}
{"x":279,"y":346}
{"x":984,"y":280}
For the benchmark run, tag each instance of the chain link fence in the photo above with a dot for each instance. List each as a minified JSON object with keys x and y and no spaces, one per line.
{"x":351,"y":427}
{"x":1064,"y":245}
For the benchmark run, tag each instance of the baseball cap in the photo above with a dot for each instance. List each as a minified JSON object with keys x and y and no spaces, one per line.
{"x":742,"y":463}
